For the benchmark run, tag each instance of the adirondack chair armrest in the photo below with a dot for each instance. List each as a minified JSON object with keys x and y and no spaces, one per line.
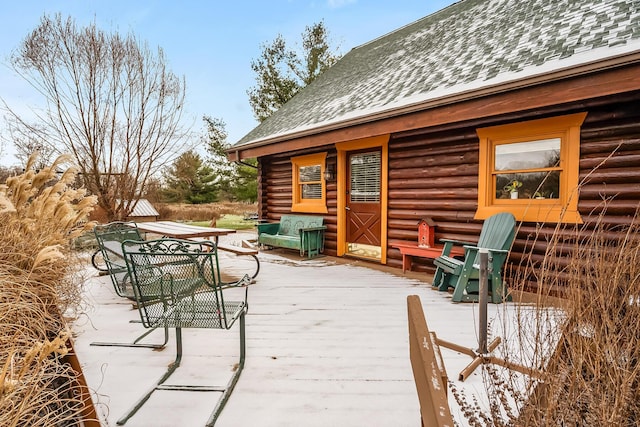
{"x":450,"y":243}
{"x":499,"y":251}
{"x":457,"y":242}
{"x":493,"y":251}
{"x":497,"y":254}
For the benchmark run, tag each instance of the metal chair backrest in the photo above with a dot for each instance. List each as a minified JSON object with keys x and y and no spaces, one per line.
{"x":176,"y":283}
{"x":109,"y":238}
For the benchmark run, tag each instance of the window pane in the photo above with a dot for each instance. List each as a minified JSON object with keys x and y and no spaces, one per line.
{"x":532,"y":185}
{"x":310,"y":173}
{"x":312,"y":191}
{"x":544,"y":153}
{"x":365,"y":177}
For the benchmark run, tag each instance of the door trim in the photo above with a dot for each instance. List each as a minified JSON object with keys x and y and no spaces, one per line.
{"x":343,"y":148}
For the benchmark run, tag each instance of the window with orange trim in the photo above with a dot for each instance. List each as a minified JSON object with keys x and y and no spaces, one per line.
{"x":531,"y":169}
{"x":308,"y":185}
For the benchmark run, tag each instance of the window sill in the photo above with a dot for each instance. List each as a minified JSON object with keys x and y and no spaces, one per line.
{"x":309,"y":208}
{"x":533,"y":212}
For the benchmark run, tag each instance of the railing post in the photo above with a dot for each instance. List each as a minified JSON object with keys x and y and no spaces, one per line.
{"x":483,"y":298}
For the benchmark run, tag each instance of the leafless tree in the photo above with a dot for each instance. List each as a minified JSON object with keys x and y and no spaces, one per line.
{"x":28,"y":143}
{"x":110,"y":101}
{"x":7,"y":171}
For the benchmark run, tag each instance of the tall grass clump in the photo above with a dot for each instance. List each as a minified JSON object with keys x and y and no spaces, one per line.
{"x":40,"y":215}
{"x":585,"y":346}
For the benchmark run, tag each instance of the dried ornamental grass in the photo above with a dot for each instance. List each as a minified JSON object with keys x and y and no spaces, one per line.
{"x":588,"y":348}
{"x":594,"y":372}
{"x":40,"y":213}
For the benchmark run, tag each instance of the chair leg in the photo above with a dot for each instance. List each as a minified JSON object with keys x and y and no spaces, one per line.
{"x":446,"y":281}
{"x":437,"y":277}
{"x":497,"y":289}
{"x":98,"y":262}
{"x":232,"y":382}
{"x":461,"y":285}
{"x":172,"y":367}
{"x":135,"y":342}
{"x":226,"y":391}
{"x":255,"y":257}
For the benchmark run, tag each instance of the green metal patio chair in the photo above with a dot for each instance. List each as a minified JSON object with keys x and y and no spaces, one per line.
{"x":497,"y":235}
{"x":110,"y":260}
{"x":177,"y":285}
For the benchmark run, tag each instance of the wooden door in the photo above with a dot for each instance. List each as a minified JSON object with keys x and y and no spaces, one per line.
{"x":363,"y":198}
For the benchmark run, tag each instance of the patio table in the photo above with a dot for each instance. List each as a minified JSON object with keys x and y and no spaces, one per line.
{"x":183,"y":231}
{"x":180,"y":230}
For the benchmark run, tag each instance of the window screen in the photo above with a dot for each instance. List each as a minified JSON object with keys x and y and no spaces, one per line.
{"x":310,"y":183}
{"x":365,"y":177}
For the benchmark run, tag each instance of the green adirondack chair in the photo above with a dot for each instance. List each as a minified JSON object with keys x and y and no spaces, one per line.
{"x":497,"y":235}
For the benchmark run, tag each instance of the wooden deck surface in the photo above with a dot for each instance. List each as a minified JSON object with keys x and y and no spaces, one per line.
{"x":327,"y":345}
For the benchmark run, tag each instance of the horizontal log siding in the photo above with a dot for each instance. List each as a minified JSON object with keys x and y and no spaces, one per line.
{"x":434,"y":174}
{"x":275,"y":183}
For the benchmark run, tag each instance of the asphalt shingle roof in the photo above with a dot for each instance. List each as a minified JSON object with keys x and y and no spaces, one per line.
{"x":469,"y":45}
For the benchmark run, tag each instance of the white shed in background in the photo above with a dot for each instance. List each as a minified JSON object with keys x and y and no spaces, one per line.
{"x":144,"y":211}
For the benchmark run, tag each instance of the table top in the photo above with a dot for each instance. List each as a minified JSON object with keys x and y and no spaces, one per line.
{"x":180,"y":230}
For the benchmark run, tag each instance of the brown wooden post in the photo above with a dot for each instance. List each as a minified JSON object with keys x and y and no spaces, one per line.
{"x":432,"y":391}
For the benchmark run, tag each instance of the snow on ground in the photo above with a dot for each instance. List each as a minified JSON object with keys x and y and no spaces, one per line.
{"x":327,"y":345}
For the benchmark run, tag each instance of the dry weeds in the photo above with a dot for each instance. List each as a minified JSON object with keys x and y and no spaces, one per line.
{"x":205,"y":212}
{"x":588,"y":348}
{"x":40,"y":216}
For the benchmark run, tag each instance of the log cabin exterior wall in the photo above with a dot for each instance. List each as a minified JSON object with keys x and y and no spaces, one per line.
{"x":275,"y":191}
{"x":433,"y":172}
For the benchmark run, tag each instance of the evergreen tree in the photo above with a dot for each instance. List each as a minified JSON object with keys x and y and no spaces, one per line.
{"x":188,"y":180}
{"x":282,"y":72}
{"x":235,"y":181}
{"x":246,"y":184}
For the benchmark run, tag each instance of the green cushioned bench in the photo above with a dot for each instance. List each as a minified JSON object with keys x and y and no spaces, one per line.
{"x":302,"y":232}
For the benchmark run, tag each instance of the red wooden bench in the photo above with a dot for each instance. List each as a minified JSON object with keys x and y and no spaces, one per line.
{"x":425,"y":247}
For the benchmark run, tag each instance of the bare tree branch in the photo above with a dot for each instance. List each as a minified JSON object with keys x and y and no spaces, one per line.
{"x":110,"y":101}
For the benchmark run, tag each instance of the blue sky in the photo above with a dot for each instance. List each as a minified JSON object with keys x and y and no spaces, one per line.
{"x":210,"y":43}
